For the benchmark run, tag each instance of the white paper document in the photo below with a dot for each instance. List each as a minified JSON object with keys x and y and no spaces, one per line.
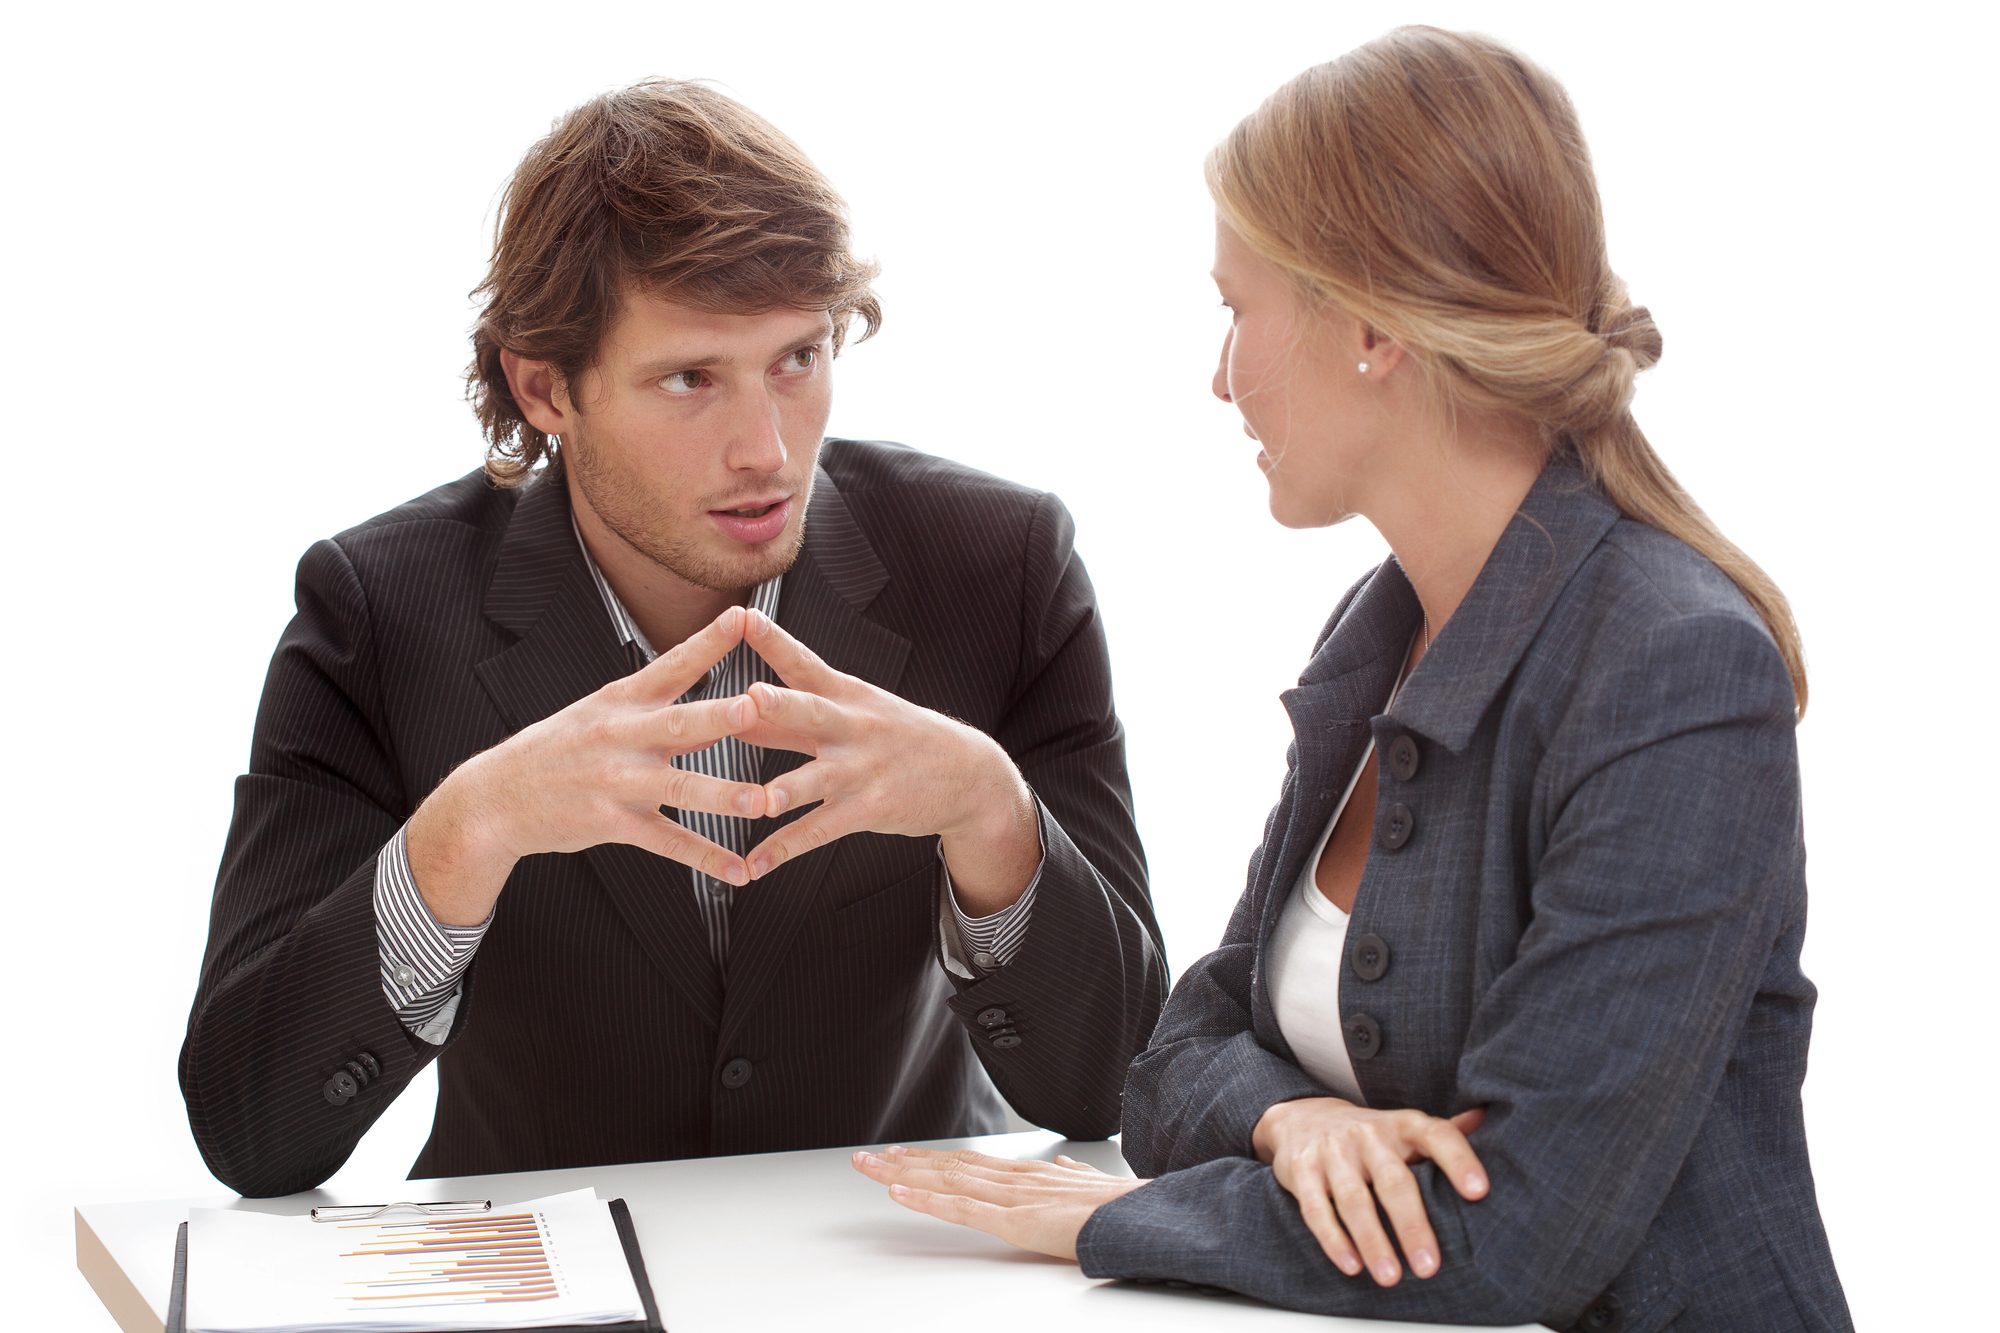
{"x":546,"y":1262}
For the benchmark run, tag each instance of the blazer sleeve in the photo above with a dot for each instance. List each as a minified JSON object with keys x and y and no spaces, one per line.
{"x":291,"y":981}
{"x":1669,"y":869}
{"x":1057,"y":1026}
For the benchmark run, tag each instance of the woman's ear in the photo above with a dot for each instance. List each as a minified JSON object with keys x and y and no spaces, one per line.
{"x":538,"y":391}
{"x":1380,"y":353}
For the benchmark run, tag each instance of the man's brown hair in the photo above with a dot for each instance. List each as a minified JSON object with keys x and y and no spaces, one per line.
{"x":667,"y":186}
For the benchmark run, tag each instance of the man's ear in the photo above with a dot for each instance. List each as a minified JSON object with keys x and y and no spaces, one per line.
{"x":539,"y":392}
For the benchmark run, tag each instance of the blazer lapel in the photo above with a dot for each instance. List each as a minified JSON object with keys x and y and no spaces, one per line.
{"x":835,"y":578}
{"x":542,"y":591}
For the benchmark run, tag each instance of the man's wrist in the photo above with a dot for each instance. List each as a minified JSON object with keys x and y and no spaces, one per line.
{"x":456,"y":859}
{"x":993,"y":851}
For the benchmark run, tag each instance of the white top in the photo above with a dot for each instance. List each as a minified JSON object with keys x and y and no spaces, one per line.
{"x":1306,"y":953}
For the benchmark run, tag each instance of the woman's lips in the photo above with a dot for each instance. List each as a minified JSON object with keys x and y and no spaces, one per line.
{"x":754,"y":524}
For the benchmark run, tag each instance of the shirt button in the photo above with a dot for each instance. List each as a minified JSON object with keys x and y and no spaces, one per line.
{"x":1397,"y":826}
{"x":736,"y":1073}
{"x":984,"y":959}
{"x":1370,"y":956}
{"x":1364,"y":1036}
{"x":992,"y":1018}
{"x":403,"y":975}
{"x":340,"y":1089}
{"x":1404,"y":759}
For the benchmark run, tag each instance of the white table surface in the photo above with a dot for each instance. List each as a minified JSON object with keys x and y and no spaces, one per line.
{"x":769,"y":1241}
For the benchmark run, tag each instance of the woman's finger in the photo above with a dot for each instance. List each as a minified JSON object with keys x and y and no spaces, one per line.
{"x":1443,"y":1141}
{"x":1309,"y":1187}
{"x":1355,"y":1202}
{"x":1396,"y":1189}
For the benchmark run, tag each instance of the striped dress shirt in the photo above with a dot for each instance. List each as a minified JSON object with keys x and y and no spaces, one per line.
{"x":424,"y":960}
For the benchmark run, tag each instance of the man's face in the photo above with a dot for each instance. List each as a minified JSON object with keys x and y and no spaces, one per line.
{"x":695,"y":436}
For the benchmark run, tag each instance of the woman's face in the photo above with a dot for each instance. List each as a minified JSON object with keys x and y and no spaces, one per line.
{"x":1320,"y":420}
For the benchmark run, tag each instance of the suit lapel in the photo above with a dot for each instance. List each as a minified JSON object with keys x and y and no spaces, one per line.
{"x":1340,"y":691}
{"x":542,"y":591}
{"x":835,"y":578}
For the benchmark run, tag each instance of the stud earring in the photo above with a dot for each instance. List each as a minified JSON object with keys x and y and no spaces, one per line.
{"x":1363,"y":367}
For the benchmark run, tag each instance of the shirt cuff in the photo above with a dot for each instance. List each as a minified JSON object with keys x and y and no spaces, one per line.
{"x":984,"y":942}
{"x":422,"y":958}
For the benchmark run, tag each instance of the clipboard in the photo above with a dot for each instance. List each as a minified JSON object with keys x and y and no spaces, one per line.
{"x":621,"y":1217}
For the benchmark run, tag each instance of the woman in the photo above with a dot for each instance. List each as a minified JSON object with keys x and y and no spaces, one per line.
{"x":1518,"y":960}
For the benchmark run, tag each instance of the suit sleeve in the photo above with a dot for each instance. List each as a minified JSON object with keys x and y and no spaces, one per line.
{"x":291,"y":982}
{"x":1664,"y":882}
{"x":1064,"y":1018}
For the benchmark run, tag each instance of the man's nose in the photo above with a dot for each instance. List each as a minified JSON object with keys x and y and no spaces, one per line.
{"x":757,"y":442}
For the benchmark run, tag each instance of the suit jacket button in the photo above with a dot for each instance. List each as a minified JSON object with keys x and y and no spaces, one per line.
{"x":1364,"y":1036}
{"x":1007,"y":1041}
{"x":340,"y":1089}
{"x":360,"y":1075}
{"x":992,"y":1018}
{"x":369,"y":1064}
{"x":1606,"y":1314}
{"x":1370,"y":956}
{"x":1397,"y":826}
{"x":736,"y":1073}
{"x":1403,"y":758}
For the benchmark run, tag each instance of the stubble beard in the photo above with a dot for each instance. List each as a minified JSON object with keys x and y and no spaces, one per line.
{"x":623,"y":508}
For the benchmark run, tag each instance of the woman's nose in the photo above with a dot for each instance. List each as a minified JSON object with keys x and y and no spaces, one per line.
{"x":1221,"y":383}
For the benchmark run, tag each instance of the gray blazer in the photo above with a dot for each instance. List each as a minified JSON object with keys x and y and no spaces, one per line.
{"x":1582,"y":911}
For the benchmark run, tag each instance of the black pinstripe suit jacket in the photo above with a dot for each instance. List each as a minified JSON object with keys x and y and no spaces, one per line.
{"x":595,"y":1025}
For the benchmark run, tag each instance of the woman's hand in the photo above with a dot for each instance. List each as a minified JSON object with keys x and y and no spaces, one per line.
{"x":1038,"y":1206}
{"x":1339,"y":1158}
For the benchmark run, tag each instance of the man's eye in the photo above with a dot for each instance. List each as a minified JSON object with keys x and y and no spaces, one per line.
{"x":682,"y":382}
{"x":803,"y":359}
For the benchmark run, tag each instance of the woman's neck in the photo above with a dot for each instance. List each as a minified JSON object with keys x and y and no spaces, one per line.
{"x":1443,"y":509}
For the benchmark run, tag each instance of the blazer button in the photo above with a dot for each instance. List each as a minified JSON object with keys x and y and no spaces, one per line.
{"x":360,"y":1075}
{"x":992,"y":1018}
{"x":340,"y":1089}
{"x":736,"y":1073}
{"x":1370,"y":956}
{"x":369,"y":1064}
{"x":1403,"y":758}
{"x":1364,"y":1037}
{"x":1006,"y":1041}
{"x":1397,"y":826}
{"x":1606,"y":1314}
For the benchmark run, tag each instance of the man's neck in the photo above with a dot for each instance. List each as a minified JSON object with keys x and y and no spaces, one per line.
{"x":666,"y":607}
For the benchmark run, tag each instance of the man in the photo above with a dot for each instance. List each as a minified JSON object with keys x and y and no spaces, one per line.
{"x":852,"y":848}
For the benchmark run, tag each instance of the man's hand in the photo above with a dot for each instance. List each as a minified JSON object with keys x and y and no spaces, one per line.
{"x":882,"y":764}
{"x":1038,"y":1206}
{"x":596,"y":772}
{"x":1335,"y":1156}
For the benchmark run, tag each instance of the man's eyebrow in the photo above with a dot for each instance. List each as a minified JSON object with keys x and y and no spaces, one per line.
{"x":674,"y":364}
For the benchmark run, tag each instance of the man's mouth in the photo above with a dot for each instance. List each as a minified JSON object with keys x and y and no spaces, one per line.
{"x":757,"y":512}
{"x":754,"y":524}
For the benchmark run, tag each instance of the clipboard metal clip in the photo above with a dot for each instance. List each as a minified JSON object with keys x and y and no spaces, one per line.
{"x":361,"y":1212}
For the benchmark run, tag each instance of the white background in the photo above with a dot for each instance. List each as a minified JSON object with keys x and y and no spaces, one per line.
{"x":238,"y":246}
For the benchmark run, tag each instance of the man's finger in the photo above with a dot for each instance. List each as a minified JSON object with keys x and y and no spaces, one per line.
{"x":663,"y":837}
{"x":803,"y":714}
{"x":802,"y":786}
{"x":797,"y":665}
{"x":684,"y":728}
{"x":671,"y":674}
{"x":685,"y":789}
{"x":810,"y":831}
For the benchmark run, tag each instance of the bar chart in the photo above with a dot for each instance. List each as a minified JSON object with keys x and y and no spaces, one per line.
{"x":448,"y":1261}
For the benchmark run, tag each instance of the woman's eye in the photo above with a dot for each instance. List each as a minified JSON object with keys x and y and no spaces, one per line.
{"x":682,"y":382}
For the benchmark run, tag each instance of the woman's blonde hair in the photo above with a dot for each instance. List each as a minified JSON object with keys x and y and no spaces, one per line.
{"x":1436,"y":186}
